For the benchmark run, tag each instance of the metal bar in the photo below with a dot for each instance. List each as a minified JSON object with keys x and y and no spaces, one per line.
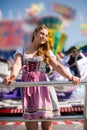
{"x":85,"y":102}
{"x":43,"y":83}
{"x":85,"y":124}
{"x":13,"y":119}
{"x":50,"y":83}
{"x":85,"y":109}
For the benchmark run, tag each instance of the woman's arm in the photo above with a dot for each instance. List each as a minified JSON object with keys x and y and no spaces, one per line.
{"x":15,"y":70}
{"x":17,"y":65}
{"x":61,"y":70}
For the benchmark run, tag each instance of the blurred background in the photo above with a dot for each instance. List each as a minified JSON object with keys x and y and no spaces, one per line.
{"x":66,"y":21}
{"x":17,"y":19}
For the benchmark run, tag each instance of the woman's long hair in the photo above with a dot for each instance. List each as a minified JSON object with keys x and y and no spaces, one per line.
{"x":43,"y":49}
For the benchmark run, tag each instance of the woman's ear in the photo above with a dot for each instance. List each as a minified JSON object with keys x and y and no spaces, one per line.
{"x":34,"y":34}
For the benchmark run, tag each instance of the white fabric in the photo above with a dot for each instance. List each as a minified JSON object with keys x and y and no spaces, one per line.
{"x":21,"y":50}
{"x":82,"y":67}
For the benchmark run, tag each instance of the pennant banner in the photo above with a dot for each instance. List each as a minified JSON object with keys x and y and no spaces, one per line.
{"x":83,"y":28}
{"x":67,"y":12}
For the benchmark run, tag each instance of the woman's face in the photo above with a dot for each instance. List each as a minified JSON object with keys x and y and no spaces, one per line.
{"x":41,"y":36}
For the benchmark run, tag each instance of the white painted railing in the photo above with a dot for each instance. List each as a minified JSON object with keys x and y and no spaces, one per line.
{"x":50,"y":83}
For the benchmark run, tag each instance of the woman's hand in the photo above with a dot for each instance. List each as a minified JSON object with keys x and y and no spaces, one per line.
{"x":75,"y":80}
{"x":8,"y":80}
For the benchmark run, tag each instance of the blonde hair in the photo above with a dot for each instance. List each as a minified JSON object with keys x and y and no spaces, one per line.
{"x":43,"y":48}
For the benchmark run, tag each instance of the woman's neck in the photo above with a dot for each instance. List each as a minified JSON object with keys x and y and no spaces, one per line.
{"x":34,"y":46}
{"x":31,"y":48}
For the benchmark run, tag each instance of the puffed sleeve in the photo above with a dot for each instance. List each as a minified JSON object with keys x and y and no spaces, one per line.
{"x":19,"y":51}
{"x":51,"y":53}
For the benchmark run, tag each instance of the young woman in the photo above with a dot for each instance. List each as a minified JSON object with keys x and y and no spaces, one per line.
{"x":38,"y":102}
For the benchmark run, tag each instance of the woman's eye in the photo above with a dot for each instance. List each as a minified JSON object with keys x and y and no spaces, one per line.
{"x":41,"y":33}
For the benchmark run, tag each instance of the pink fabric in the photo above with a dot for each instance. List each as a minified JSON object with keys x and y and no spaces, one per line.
{"x":36,"y":100}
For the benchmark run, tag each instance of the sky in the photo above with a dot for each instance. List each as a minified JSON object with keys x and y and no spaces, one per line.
{"x":15,"y":9}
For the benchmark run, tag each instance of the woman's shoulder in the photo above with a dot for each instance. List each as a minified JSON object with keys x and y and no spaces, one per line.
{"x":51,"y":53}
{"x":20,"y":50}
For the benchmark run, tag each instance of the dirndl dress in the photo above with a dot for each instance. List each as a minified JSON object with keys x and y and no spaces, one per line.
{"x":39,"y":102}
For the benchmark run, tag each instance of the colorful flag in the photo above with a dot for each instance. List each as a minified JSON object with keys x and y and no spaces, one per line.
{"x":83,"y":28}
{"x":66,"y":12}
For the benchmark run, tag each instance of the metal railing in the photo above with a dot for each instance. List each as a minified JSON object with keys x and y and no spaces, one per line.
{"x":50,"y":83}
